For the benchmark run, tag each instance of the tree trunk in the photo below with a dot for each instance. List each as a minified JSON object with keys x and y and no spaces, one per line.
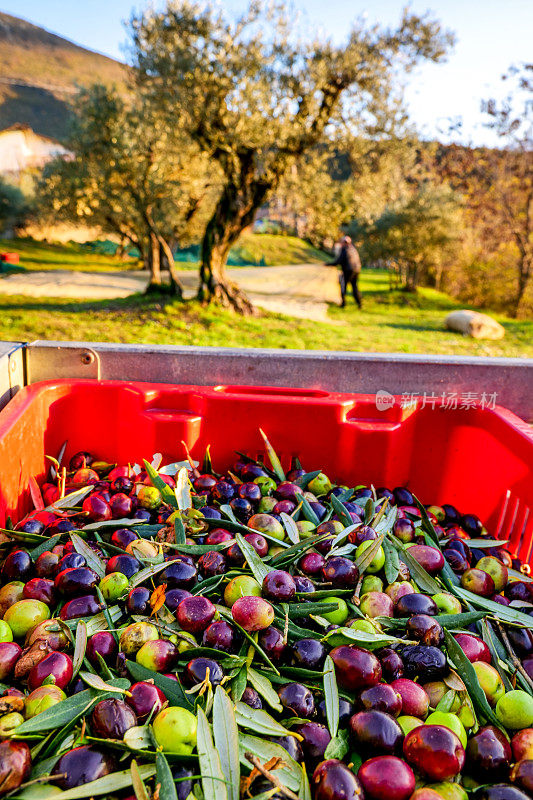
{"x":524,"y":274}
{"x":223,"y":230}
{"x":154,"y":263}
{"x":174,"y":277}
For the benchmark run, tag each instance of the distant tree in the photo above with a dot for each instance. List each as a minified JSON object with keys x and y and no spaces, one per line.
{"x":420,"y":234}
{"x":255,"y":98}
{"x":497,"y":183}
{"x":14,"y":206}
{"x":130,"y":175}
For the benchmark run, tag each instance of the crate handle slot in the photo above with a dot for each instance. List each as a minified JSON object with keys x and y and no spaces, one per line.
{"x":270,"y":391}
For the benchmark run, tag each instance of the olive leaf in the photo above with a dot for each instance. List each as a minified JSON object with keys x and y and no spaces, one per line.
{"x":370,"y":641}
{"x":93,"y":559}
{"x":341,"y":511}
{"x":368,"y":555}
{"x":213,"y":781}
{"x":238,"y":684}
{"x":304,"y":790}
{"x":96,"y":682}
{"x":392,"y":562}
{"x":141,"y":792}
{"x":304,"y":480}
{"x":183,"y":490}
{"x":273,"y":457}
{"x":256,"y":564}
{"x":79,"y":647}
{"x":125,"y":522}
{"x":139,"y":738}
{"x":307,"y":510}
{"x":331,"y":696}
{"x":370,"y":510}
{"x":228,"y":511}
{"x":296,"y":610}
{"x":339,"y":746}
{"x":263,"y":686}
{"x":469,"y":676}
{"x":163,"y":777}
{"x":255,"y":719}
{"x":45,"y":546}
{"x":503,"y":613}
{"x":71,"y":708}
{"x":99,"y":621}
{"x":423,"y":579}
{"x":291,"y":528}
{"x":166,"y":491}
{"x":70,"y":500}
{"x":288,"y":771}
{"x":226,"y":738}
{"x":172,"y":689}
{"x":179,"y":530}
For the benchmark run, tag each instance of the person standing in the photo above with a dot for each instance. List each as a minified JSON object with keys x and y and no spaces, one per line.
{"x":350,"y":263}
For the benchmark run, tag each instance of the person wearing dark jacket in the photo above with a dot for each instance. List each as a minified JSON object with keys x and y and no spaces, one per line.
{"x":350,"y":263}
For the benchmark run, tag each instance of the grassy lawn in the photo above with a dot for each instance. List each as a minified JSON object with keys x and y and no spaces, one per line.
{"x":72,"y":256}
{"x":276,"y":251}
{"x":389,"y":322}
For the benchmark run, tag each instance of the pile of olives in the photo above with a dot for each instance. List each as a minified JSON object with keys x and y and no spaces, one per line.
{"x":382,"y":647}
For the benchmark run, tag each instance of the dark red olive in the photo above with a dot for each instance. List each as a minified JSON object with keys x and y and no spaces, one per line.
{"x":488,"y":755}
{"x":430,"y":558}
{"x":76,"y":581}
{"x":40,"y":589}
{"x":15,"y":765}
{"x":501,"y":791}
{"x":425,"y":629}
{"x":17,"y":566}
{"x":138,"y":601}
{"x":9,"y":655}
{"x":123,"y":537}
{"x":218,"y":536}
{"x":197,"y":669}
{"x":82,"y":765}
{"x":279,"y":586}
{"x":86,"y":606}
{"x":387,"y":778}
{"x":180,"y":575}
{"x":104,"y":643}
{"x":474,"y":648}
{"x":212,"y":563}
{"x":415,"y":603}
{"x":145,"y":699}
{"x":218,"y":635}
{"x":71,"y":560}
{"x":298,"y":699}
{"x":376,"y":732}
{"x":112,"y":718}
{"x":336,"y":782}
{"x":340,"y":572}
{"x":251,"y":698}
{"x":381,"y":697}
{"x":173,"y":598}
{"x":391,"y":663}
{"x":46,"y":565}
{"x":355,"y":668}
{"x":96,"y":508}
{"x":124,"y":563}
{"x":272,"y":642}
{"x":316,"y":738}
{"x":195,"y":613}
{"x":312,"y":563}
{"x":57,"y":665}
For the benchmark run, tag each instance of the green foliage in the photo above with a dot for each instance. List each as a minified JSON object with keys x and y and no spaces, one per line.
{"x":420,"y":234}
{"x":14,"y":206}
{"x":255,"y":98}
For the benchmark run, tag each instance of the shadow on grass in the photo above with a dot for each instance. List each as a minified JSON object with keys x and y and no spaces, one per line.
{"x":135,"y":302}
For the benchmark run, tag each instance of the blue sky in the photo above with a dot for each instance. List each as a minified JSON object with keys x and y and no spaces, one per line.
{"x":491,"y":34}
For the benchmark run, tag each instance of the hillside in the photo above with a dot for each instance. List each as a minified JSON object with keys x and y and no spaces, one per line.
{"x":39,"y":74}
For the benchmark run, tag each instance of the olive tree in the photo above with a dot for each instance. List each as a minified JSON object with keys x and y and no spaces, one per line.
{"x":130,"y":174}
{"x":254,"y":98}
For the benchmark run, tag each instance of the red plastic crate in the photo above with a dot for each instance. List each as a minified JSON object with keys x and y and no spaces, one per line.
{"x":470,"y":457}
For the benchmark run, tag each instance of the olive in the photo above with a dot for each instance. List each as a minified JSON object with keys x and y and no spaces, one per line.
{"x":15,"y":765}
{"x":17,"y":566}
{"x":82,"y":765}
{"x":124,"y":563}
{"x":76,"y":581}
{"x":112,"y":718}
{"x":85,"y":606}
{"x":196,"y":671}
{"x":426,"y":663}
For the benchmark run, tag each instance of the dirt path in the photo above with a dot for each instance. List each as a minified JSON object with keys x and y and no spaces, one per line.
{"x":300,"y":291}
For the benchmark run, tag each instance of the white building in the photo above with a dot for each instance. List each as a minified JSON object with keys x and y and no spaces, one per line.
{"x":23,"y":150}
